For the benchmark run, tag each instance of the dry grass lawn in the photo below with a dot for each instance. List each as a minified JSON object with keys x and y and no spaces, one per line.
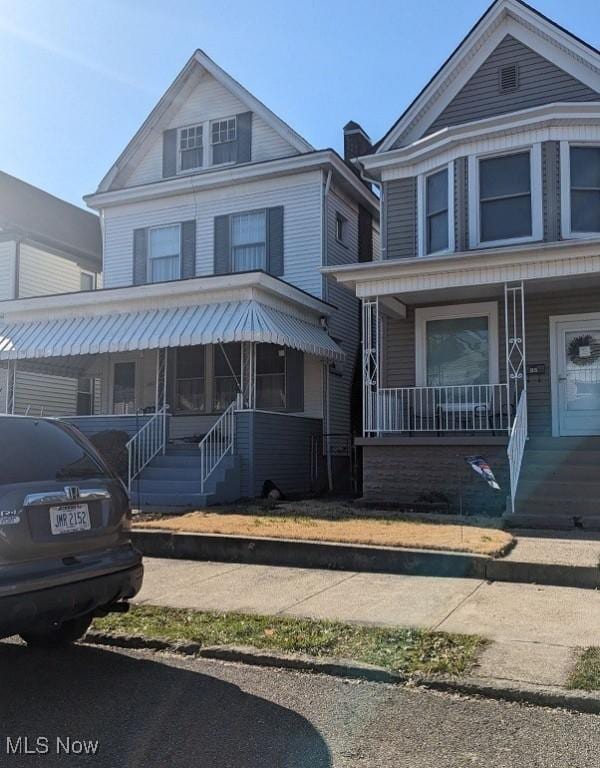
{"x":354,"y":530}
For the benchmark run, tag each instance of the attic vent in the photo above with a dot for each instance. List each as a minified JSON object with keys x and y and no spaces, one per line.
{"x":509,"y":78}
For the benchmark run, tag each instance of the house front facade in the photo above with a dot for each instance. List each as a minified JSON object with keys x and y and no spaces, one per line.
{"x":216,"y":345}
{"x":46,"y":246}
{"x":481,"y":318}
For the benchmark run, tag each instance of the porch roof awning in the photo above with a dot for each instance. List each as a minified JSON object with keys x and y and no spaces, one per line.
{"x":167,"y":327}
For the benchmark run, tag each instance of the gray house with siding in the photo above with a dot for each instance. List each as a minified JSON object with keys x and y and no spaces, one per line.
{"x":216,"y":347}
{"x":46,"y":246}
{"x":481,"y":316}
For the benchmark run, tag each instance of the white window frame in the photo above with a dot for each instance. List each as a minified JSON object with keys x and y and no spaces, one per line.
{"x":565,"y":190}
{"x":213,"y":144}
{"x":149,"y":254}
{"x":422,"y":209}
{"x":537,"y":216}
{"x":232,"y":247}
{"x":340,"y":228}
{"x":180,"y":170}
{"x":487,"y":309}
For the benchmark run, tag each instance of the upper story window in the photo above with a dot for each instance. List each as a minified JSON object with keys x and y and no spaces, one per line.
{"x":190,"y":148}
{"x":164,"y":253}
{"x":249,"y":241}
{"x":436,"y":211}
{"x":340,"y":228}
{"x":584,"y":193}
{"x":223,"y":138}
{"x":505,"y":198}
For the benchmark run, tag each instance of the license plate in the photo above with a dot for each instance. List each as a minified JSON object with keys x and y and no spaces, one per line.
{"x":69,"y":518}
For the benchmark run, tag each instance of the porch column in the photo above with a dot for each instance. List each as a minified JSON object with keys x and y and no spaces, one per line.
{"x":161,"y":378}
{"x":516,"y":359}
{"x":248,"y":375}
{"x":370,"y":365}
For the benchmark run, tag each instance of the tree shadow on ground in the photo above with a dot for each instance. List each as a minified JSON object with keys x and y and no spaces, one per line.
{"x":145,"y":713}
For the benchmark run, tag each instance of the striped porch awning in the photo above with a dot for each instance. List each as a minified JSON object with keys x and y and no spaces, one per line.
{"x":249,"y":320}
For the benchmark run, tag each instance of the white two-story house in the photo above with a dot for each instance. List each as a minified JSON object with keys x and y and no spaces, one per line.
{"x":481,"y":318}
{"x":46,"y":246}
{"x":216,"y":344}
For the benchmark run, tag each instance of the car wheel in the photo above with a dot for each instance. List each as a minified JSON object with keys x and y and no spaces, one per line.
{"x":68,"y":632}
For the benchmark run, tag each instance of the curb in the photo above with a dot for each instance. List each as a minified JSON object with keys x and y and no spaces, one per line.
{"x":546,"y":696}
{"x":358,"y":557}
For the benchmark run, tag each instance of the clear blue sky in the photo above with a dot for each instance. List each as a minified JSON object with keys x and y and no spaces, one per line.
{"x":79,"y":76}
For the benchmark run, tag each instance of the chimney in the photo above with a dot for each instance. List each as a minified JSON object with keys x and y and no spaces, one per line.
{"x":356,"y":141}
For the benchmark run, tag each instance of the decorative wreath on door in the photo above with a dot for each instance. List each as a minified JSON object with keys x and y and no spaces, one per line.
{"x":583,"y":350}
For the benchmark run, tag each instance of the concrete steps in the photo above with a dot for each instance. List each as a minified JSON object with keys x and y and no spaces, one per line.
{"x":172,"y":482}
{"x":559,"y":485}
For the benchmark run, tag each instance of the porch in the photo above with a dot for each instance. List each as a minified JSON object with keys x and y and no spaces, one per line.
{"x":176,"y":382}
{"x":495,"y":354}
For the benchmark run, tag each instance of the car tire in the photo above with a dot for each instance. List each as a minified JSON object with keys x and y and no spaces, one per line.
{"x":68,"y":632}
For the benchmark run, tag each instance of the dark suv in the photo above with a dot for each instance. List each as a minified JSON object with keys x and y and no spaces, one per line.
{"x":65,"y":552}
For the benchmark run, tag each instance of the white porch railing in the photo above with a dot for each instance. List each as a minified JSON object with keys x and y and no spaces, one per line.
{"x":217,"y":443}
{"x":146,"y":444}
{"x":465,"y":408}
{"x":516,"y":445}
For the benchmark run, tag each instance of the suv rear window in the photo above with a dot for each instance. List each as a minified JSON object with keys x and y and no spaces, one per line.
{"x":33,"y":451}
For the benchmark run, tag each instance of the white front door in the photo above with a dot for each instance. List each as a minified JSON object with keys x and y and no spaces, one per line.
{"x":576,"y":375}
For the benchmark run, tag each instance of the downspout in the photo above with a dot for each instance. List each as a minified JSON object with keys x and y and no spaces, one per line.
{"x":325,"y":233}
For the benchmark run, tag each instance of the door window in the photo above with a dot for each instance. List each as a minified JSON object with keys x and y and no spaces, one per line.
{"x":124,"y":388}
{"x":582,"y":369}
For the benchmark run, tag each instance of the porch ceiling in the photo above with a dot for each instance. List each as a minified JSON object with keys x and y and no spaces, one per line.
{"x":166,"y":327}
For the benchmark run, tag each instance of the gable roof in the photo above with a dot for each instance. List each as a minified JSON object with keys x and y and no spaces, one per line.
{"x":198,"y":64}
{"x":31,"y":213}
{"x":503,"y":17}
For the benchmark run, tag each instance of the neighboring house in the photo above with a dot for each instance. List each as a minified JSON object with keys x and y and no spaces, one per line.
{"x":46,"y":246}
{"x":482,"y":317}
{"x":215,"y":325}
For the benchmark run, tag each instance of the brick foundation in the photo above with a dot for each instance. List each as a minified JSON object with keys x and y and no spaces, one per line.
{"x":403,"y":474}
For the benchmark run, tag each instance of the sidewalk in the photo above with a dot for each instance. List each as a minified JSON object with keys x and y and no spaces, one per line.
{"x":536,"y":630}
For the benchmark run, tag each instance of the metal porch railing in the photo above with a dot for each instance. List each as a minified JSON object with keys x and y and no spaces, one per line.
{"x":516,"y":445}
{"x":217,"y":443}
{"x":464,"y":408}
{"x":146,"y":444}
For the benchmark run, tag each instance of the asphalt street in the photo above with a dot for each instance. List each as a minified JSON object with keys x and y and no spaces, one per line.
{"x":147,"y":709}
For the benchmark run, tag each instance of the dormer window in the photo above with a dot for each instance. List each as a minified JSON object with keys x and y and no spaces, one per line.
{"x":223,"y":135}
{"x":190,"y":148}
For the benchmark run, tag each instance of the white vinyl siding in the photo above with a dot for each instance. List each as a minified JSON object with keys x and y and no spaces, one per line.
{"x":45,"y":395}
{"x":42,"y":273}
{"x":7,"y":270}
{"x":208,"y":101}
{"x":300,"y":195}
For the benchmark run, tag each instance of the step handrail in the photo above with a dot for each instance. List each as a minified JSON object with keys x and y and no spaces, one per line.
{"x":146,"y":444}
{"x":217,"y":443}
{"x":516,"y":446}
